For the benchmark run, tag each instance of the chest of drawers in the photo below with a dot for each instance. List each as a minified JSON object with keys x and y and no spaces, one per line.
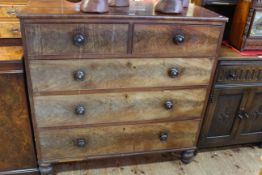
{"x":122,"y":83}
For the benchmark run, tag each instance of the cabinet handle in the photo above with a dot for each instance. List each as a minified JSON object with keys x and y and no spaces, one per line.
{"x":173,"y":72}
{"x":179,"y":39}
{"x":11,"y":11}
{"x":81,"y":142}
{"x":79,"y":75}
{"x":14,"y":30}
{"x":80,"y":110}
{"x":246,"y":115}
{"x":79,"y":39}
{"x":240,"y":115}
{"x":168,"y":104}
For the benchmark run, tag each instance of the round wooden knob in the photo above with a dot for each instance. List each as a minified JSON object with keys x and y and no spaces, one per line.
{"x":81,"y":142}
{"x":168,"y":104}
{"x":173,"y":72}
{"x":79,"y":75}
{"x":80,"y":110}
{"x":163,"y":136}
{"x":179,"y":38}
{"x":79,"y":39}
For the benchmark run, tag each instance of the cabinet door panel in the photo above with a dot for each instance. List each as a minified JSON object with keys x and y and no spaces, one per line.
{"x":226,"y":108}
{"x":254,"y":123}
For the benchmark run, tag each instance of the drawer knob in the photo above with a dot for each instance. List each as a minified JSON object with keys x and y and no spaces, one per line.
{"x":79,"y":39}
{"x":80,"y":110}
{"x":179,"y":38}
{"x":81,"y":142}
{"x":168,"y":104}
{"x":173,"y":72}
{"x":11,"y":11}
{"x":163,"y":136}
{"x":79,"y":75}
{"x":231,"y":76}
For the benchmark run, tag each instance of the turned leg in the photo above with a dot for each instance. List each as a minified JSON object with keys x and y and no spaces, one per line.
{"x":46,"y":169}
{"x":187,"y":156}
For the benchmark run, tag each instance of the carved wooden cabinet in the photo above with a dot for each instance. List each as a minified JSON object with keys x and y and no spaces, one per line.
{"x":234,"y":111}
{"x":17,"y":152}
{"x":122,"y":83}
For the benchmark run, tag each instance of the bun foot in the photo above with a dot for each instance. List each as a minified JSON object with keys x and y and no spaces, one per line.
{"x":187,"y":156}
{"x":46,"y":169}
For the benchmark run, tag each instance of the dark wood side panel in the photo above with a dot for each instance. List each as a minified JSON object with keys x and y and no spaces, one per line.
{"x":16,"y":148}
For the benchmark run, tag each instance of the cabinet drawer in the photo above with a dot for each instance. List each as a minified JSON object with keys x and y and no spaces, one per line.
{"x":10,"y":30}
{"x":240,"y":72}
{"x":57,"y":75}
{"x":176,"y":40}
{"x":14,"y":2}
{"x":90,"y":142}
{"x":9,"y":11}
{"x":118,"y":107}
{"x":76,"y":39}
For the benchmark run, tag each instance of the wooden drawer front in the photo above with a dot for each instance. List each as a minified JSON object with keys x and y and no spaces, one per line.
{"x":161,"y":39}
{"x":240,"y":72}
{"x":57,"y":75}
{"x":14,"y":2}
{"x":57,"y":39}
{"x":59,"y":144}
{"x":9,"y":11}
{"x":118,"y":107}
{"x":10,"y":30}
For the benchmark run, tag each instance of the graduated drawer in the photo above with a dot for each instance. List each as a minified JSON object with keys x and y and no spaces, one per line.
{"x":84,"y":143}
{"x":239,"y":72}
{"x":10,"y":29}
{"x":76,"y":39}
{"x":66,"y":75}
{"x":176,"y":40}
{"x":9,"y":11}
{"x":83,"y":109}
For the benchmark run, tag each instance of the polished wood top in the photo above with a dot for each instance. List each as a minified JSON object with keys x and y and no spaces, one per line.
{"x":136,"y":10}
{"x":11,"y":53}
{"x":229,"y":54}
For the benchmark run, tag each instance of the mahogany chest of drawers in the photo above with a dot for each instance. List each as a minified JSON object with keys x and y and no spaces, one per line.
{"x":122,"y":83}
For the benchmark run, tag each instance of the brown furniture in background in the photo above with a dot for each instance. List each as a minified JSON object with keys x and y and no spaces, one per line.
{"x":246,"y":31}
{"x":122,"y":83}
{"x":234,"y":112}
{"x":17,"y":154}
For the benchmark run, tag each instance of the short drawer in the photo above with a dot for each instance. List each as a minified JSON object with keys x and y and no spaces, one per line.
{"x":76,"y":39}
{"x":84,"y":143}
{"x":10,"y":29}
{"x":51,"y":111}
{"x":67,"y":75}
{"x":239,"y":72}
{"x":9,"y":11}
{"x":176,"y":40}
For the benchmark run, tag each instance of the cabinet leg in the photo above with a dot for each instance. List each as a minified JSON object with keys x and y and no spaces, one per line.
{"x":187,"y":156}
{"x":46,"y":169}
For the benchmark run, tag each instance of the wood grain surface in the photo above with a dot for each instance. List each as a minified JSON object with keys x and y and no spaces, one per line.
{"x":118,"y":107}
{"x":17,"y":147}
{"x":56,"y":75}
{"x":200,"y":40}
{"x":10,"y":53}
{"x":57,"y":39}
{"x":9,"y":11}
{"x":60,"y":144}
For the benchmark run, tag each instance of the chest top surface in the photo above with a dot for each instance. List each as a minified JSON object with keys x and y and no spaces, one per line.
{"x":137,"y":10}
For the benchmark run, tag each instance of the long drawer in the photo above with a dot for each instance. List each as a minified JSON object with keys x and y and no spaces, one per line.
{"x":118,"y":107}
{"x":83,"y":143}
{"x":10,"y":29}
{"x":76,"y":39}
{"x":239,"y":72}
{"x":176,"y":40}
{"x":67,"y":75}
